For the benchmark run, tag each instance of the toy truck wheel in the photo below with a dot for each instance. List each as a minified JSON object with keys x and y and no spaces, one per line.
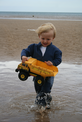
{"x":23,"y":76}
{"x":39,"y":80}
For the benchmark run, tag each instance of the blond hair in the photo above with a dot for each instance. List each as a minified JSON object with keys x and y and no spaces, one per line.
{"x":46,"y":28}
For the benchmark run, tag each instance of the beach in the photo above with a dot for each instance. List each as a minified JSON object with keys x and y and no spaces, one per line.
{"x":17,"y":97}
{"x":18,"y":34}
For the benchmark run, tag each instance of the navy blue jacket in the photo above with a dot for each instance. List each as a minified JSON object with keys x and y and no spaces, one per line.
{"x":52,"y":53}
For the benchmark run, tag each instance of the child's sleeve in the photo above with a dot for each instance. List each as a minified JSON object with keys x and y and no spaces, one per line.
{"x":57,"y":58}
{"x":28,"y":51}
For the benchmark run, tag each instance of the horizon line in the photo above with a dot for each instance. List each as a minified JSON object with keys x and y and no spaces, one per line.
{"x":42,"y":11}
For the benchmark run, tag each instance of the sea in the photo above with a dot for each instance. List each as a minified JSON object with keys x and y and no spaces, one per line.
{"x":42,"y":16}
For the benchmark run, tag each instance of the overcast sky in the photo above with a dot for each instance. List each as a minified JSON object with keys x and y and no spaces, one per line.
{"x":41,"y":5}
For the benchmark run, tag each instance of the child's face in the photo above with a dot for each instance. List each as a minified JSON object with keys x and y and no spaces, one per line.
{"x":46,"y":38}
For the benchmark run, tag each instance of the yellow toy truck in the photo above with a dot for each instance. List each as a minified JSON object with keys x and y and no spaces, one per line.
{"x":36,"y":68}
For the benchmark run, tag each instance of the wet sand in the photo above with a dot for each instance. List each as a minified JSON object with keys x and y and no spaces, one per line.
{"x":17,"y":97}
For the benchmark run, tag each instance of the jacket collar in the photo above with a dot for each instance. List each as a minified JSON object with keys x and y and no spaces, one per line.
{"x":39,"y":44}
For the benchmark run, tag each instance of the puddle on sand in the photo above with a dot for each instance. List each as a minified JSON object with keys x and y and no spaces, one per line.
{"x":17,"y":98}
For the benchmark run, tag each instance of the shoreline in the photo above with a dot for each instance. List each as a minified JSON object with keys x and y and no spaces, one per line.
{"x":32,"y":18}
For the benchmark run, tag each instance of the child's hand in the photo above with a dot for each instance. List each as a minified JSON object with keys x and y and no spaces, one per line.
{"x":49,"y":63}
{"x":24,"y":58}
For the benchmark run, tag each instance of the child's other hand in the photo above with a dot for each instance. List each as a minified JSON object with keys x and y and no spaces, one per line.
{"x":49,"y":63}
{"x":24,"y":58}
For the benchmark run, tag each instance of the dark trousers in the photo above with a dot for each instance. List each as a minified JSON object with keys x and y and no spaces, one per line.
{"x":46,"y":87}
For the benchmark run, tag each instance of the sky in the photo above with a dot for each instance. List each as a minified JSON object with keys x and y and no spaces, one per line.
{"x":41,"y":5}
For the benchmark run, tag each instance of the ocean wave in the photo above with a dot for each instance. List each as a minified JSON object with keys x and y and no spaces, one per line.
{"x":9,"y":64}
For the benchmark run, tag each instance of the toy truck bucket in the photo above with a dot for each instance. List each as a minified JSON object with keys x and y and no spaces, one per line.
{"x":41,"y":68}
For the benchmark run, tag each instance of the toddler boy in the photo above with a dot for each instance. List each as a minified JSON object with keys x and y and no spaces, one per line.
{"x":47,"y":52}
